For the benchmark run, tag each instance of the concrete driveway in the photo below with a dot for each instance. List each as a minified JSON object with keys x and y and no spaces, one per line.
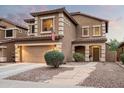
{"x":64,"y":79}
{"x":12,"y":69}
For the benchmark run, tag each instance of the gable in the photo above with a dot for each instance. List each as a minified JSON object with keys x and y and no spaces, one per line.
{"x":83,"y":20}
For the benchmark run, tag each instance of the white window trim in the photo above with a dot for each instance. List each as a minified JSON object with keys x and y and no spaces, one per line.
{"x":99,"y":30}
{"x":83,"y":31}
{"x":13,"y":33}
{"x":44,"y":32}
{"x":30,"y":30}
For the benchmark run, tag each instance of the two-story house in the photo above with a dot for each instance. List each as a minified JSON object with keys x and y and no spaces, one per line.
{"x":74,"y":32}
{"x":9,"y":31}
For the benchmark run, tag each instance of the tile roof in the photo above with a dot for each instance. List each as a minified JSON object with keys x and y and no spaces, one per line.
{"x":45,"y":37}
{"x":90,"y":40}
{"x":17,"y":25}
{"x":2,"y":26}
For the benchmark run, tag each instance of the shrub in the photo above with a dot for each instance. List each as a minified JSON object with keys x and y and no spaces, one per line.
{"x":122,"y":58}
{"x":78,"y":57}
{"x":54,"y":58}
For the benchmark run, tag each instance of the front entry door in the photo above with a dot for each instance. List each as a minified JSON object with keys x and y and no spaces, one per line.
{"x":95,"y":54}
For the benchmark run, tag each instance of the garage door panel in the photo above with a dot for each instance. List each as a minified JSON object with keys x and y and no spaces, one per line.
{"x":34,"y":53}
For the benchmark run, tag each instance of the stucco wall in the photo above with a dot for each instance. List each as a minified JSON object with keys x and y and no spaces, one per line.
{"x":86,"y":21}
{"x":69,"y":32}
{"x":2,"y":34}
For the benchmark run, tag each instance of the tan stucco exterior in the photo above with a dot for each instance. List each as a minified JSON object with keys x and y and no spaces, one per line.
{"x":69,"y":36}
{"x":2,"y":34}
{"x":34,"y":50}
{"x":86,"y":21}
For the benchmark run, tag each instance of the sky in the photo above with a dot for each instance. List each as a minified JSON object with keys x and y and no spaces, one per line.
{"x":113,"y":13}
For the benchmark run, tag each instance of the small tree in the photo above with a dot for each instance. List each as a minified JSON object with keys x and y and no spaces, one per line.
{"x":113,"y":44}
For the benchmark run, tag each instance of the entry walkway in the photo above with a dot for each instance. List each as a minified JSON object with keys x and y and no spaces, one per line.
{"x":75,"y":76}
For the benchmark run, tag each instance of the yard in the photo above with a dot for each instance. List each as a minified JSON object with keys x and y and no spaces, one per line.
{"x":74,"y":74}
{"x":107,"y":75}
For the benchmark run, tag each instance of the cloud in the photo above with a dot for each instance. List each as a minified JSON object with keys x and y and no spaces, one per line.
{"x":116,"y":28}
{"x":24,"y":12}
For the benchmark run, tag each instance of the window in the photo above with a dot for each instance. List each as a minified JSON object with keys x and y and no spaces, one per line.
{"x":32,"y":29}
{"x":20,"y":31}
{"x":85,"y":31}
{"x":96,"y":31}
{"x":47,"y":25}
{"x":8,"y":33}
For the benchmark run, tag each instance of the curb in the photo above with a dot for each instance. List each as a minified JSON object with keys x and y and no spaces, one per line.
{"x":119,"y":64}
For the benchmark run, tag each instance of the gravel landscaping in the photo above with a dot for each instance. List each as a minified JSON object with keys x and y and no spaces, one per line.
{"x":39,"y":74}
{"x":76,"y":63}
{"x":4,"y":64}
{"x":107,"y":75}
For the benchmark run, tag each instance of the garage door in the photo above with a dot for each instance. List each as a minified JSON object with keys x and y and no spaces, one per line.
{"x":34,"y":54}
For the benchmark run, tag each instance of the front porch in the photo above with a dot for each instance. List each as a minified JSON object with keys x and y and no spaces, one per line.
{"x":92,"y":52}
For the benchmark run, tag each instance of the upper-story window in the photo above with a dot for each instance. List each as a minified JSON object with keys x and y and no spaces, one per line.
{"x":97,"y":30}
{"x":47,"y":24}
{"x":85,"y":31}
{"x":32,"y":29}
{"x":9,"y":33}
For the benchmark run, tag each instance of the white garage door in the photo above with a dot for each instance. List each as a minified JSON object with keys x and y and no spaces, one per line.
{"x":34,"y":54}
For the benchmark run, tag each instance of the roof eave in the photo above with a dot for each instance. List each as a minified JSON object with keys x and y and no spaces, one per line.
{"x":13,"y":23}
{"x":63,"y":10}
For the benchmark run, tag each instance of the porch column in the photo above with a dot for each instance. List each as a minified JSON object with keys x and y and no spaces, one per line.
{"x":103,"y":51}
{"x":87,"y":53}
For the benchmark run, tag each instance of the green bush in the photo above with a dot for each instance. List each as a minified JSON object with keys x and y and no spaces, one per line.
{"x":78,"y":57}
{"x":54,"y":58}
{"x":122,"y":58}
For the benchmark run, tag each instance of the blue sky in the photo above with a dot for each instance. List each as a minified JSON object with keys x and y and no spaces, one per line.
{"x":114,"y":14}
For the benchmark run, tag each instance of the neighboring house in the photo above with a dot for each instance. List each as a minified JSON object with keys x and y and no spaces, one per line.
{"x":120,"y":50}
{"x":8,"y":32}
{"x":74,"y":32}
